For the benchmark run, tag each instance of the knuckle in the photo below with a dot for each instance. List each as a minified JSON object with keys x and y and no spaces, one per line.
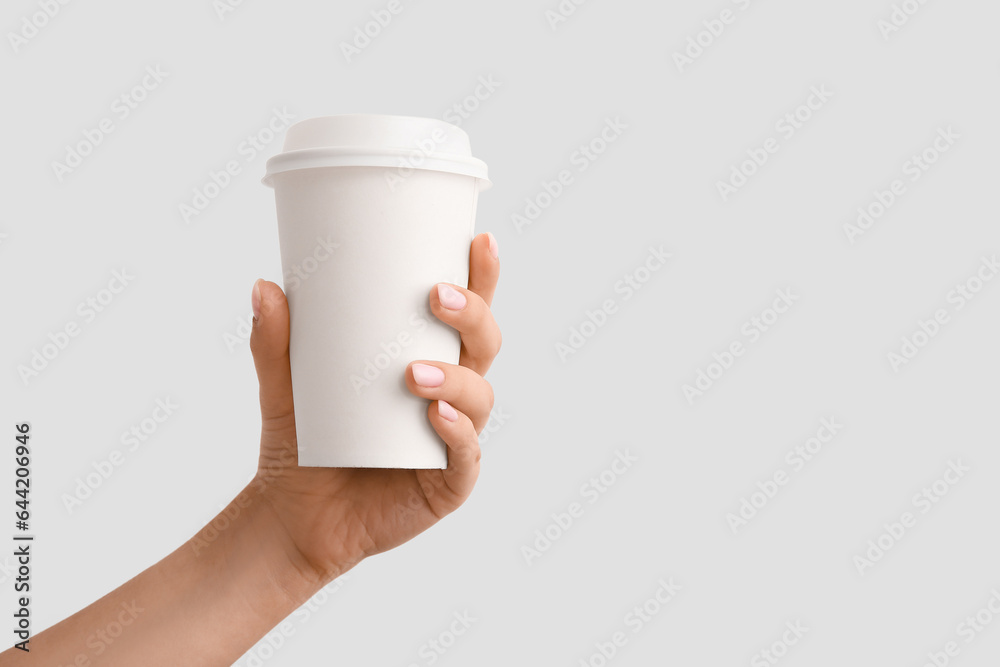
{"x":497,"y":343}
{"x":470,"y":453}
{"x":481,"y":310}
{"x":489,"y":390}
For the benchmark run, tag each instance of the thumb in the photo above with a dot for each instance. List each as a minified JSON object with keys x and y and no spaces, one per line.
{"x":269,"y":346}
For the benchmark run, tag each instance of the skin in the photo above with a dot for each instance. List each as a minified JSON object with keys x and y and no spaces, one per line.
{"x":292,"y":530}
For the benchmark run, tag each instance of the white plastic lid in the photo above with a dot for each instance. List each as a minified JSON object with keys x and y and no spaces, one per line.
{"x":367,"y":140}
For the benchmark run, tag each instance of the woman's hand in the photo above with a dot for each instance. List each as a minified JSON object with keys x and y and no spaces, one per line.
{"x":292,"y":530}
{"x":329,"y":519}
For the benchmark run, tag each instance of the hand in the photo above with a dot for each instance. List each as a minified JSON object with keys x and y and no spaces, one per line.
{"x":331,"y":518}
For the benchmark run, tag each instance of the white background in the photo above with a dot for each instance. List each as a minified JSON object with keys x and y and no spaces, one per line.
{"x":564,"y":416}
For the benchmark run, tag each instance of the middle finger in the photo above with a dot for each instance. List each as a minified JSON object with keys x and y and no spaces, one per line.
{"x":466,"y":390}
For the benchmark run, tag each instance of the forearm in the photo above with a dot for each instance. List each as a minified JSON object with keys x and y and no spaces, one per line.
{"x":204,"y":605}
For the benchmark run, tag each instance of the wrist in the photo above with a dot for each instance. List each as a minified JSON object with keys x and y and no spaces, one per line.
{"x":307,"y":540}
{"x":246,"y":548}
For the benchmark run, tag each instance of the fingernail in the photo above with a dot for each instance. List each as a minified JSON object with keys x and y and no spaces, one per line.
{"x":255,"y":300}
{"x":446,"y":411}
{"x":427,"y":376}
{"x":494,"y":248}
{"x":450,"y":297}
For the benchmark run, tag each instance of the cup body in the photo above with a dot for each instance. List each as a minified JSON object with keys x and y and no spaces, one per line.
{"x":361,"y":249}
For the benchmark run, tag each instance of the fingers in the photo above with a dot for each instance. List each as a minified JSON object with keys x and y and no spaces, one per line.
{"x":484,"y":266}
{"x":459,"y":434}
{"x":269,"y":345}
{"x":463,"y":388}
{"x":466,"y":311}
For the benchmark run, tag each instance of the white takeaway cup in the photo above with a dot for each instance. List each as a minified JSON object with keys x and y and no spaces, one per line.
{"x":373,"y":211}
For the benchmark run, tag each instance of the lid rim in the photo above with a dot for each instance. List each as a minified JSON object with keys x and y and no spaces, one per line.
{"x":361,"y":156}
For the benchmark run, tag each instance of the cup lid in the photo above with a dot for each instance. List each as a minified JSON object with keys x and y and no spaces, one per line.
{"x":369,"y":140}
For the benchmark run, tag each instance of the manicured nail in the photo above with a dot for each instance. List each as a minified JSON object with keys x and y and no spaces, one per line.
{"x":446,"y":411}
{"x":255,"y":300}
{"x":494,"y":248}
{"x":428,"y":376}
{"x":450,"y":297}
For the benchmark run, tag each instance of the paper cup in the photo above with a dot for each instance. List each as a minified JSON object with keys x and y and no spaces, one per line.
{"x":372,"y":211}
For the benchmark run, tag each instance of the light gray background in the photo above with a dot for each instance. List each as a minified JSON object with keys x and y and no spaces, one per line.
{"x":164,"y":336}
